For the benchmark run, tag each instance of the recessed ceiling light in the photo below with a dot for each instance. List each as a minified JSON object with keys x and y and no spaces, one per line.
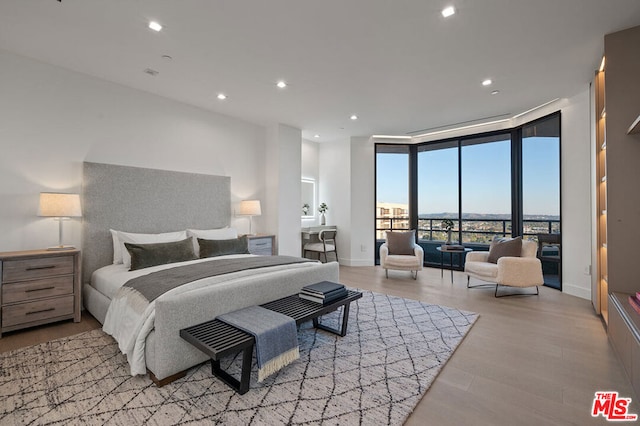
{"x":354,"y":117}
{"x":448,"y":11}
{"x":281,"y":84}
{"x":495,"y":92}
{"x":316,"y":136}
{"x":151,"y":72}
{"x":155,"y":26}
{"x":487,"y":82}
{"x":167,"y":57}
{"x":222,"y":96}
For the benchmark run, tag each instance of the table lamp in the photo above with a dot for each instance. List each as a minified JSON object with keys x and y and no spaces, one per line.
{"x":61,"y":207}
{"x":250,"y":208}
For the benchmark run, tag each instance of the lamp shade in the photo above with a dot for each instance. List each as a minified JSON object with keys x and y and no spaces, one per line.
{"x":54,"y":204}
{"x":250,"y":208}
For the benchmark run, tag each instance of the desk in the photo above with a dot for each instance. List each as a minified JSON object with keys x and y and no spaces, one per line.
{"x":451,"y":252}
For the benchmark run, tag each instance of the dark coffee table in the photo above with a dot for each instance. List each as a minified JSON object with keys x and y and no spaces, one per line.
{"x":218,"y":339}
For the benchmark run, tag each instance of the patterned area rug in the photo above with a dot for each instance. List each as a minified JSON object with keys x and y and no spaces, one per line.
{"x":376,"y":374}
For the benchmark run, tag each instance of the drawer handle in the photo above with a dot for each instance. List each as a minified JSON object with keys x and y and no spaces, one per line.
{"x":35,"y":268}
{"x":261,"y":244}
{"x":39,"y":312}
{"x":39,"y":289}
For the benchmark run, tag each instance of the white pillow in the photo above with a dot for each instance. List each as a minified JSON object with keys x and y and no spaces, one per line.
{"x":130,"y":237}
{"x":225,"y":233}
{"x":117,"y":253}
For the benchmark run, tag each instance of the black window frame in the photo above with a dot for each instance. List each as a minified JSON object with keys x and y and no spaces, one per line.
{"x":516,"y":136}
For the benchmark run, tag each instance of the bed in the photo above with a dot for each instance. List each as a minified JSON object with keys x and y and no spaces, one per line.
{"x":153,"y":201}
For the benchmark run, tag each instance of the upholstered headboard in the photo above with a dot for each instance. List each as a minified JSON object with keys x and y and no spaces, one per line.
{"x":136,"y":199}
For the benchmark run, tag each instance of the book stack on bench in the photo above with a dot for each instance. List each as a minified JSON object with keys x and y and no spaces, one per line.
{"x":323,"y":292}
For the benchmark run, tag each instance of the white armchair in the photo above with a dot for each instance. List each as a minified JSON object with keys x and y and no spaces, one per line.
{"x":402,"y":262}
{"x":524,"y":271}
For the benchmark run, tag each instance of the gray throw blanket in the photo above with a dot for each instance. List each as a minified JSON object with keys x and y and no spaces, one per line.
{"x":155,"y":284}
{"x":276,"y":337}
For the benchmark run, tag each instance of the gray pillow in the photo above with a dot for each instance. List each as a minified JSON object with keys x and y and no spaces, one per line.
{"x":146,"y":255}
{"x":211,"y":248}
{"x":511,"y":247}
{"x":401,"y":242}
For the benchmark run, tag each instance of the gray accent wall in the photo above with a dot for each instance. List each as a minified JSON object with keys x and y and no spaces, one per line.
{"x":135,"y":199}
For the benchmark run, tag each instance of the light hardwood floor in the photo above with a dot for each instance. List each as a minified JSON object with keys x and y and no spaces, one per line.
{"x":534,"y":360}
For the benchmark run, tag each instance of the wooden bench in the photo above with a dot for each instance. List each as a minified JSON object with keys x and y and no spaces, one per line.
{"x":218,"y":339}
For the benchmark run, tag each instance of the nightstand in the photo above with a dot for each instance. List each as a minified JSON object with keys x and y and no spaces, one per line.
{"x":38,"y":287}
{"x":262,"y":244}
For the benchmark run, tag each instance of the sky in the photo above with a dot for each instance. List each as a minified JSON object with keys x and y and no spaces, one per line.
{"x":486,"y":178}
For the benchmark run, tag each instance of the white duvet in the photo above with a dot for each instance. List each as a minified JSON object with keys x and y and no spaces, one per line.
{"x":129,"y":321}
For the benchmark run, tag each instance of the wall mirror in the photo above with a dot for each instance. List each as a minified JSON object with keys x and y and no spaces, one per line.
{"x":308,"y":202}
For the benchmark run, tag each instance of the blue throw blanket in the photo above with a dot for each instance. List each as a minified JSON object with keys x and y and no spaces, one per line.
{"x":276,"y":337}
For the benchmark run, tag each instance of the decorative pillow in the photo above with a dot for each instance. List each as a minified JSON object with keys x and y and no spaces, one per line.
{"x":130,"y":237}
{"x":146,"y":255}
{"x":225,"y":233}
{"x":503,"y":247}
{"x":402,"y":242}
{"x":211,"y":248}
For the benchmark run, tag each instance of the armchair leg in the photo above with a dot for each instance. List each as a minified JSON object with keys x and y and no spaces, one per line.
{"x":386,"y":273}
{"x":414,"y":275}
{"x":516,"y":294}
{"x":477,"y":285}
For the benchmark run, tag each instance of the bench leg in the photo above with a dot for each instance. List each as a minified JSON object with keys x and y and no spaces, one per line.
{"x":241,"y":386}
{"x":345,"y":321}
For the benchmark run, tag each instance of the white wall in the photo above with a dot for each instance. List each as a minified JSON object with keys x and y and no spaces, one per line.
{"x":311,"y":170}
{"x":576,"y":187}
{"x":51,"y":120}
{"x":362,"y":202}
{"x":283,"y":171}
{"x":347,"y":186}
{"x":334,"y":189}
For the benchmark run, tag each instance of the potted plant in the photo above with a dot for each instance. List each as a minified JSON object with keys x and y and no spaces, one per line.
{"x":322,"y":208}
{"x":448,"y":225}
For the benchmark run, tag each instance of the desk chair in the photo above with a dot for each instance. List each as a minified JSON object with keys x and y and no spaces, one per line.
{"x":326,"y":245}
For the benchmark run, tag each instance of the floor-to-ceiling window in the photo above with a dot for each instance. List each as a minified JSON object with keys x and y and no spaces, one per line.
{"x":392,"y":191}
{"x":486,"y":188}
{"x":541,"y":192}
{"x":438,"y":194}
{"x":491,"y":185}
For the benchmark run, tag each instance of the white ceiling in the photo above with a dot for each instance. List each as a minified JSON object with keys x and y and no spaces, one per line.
{"x":399,"y":65}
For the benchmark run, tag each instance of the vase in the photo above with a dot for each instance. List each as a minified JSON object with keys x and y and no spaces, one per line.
{"x":323,"y":221}
{"x":449,"y":236}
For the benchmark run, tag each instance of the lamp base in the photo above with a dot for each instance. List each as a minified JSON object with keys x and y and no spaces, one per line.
{"x":60,"y":248}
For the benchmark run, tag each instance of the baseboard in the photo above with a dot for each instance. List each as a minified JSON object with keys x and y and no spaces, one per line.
{"x":356,"y":262}
{"x":573,"y":290}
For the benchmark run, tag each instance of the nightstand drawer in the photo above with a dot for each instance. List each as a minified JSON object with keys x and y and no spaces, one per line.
{"x":27,"y":269}
{"x":35,"y":311}
{"x":261,"y":246}
{"x":37,"y":289}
